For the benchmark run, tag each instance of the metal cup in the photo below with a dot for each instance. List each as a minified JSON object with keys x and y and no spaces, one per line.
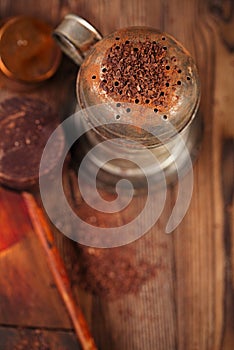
{"x":167,"y":120}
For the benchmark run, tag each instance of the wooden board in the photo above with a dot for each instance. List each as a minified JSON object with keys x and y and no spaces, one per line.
{"x":189,"y":301}
{"x":28,"y":295}
{"x":36,"y":339}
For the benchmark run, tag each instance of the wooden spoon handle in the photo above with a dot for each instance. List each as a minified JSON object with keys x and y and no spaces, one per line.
{"x":58,"y":271}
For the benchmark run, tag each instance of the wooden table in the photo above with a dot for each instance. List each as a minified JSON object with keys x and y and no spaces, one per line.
{"x":188,"y":300}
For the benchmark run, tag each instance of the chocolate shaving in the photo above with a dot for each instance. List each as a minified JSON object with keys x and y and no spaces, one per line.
{"x":137,"y":73}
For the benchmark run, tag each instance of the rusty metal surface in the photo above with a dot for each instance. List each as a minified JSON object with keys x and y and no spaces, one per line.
{"x":180,"y":98}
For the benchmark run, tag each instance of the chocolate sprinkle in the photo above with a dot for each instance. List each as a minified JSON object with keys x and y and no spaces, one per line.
{"x":137,"y":72}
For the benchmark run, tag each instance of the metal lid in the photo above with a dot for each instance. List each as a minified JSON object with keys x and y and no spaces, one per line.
{"x":137,"y":72}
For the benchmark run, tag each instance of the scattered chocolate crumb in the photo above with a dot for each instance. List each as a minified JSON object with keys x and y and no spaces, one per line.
{"x":137,"y":72}
{"x":111,"y":273}
{"x":35,"y":342}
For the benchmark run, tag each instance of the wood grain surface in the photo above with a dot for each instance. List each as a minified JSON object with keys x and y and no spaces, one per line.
{"x":37,"y":339}
{"x":28,"y":293}
{"x":187,"y":303}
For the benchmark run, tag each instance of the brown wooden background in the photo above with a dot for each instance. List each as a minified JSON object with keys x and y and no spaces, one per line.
{"x":189,"y":302}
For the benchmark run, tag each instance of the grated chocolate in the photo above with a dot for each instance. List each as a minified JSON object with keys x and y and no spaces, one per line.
{"x":137,"y":72}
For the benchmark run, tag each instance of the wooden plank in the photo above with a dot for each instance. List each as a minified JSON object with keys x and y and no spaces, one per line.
{"x":197,"y":289}
{"x":28,"y":296}
{"x":37,"y":339}
{"x":223,"y":159}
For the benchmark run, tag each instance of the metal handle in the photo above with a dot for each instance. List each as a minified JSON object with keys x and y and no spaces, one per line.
{"x":76,"y":37}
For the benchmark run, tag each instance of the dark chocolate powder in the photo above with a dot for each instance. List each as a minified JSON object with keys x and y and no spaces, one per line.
{"x":111,"y":273}
{"x":137,"y":72}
